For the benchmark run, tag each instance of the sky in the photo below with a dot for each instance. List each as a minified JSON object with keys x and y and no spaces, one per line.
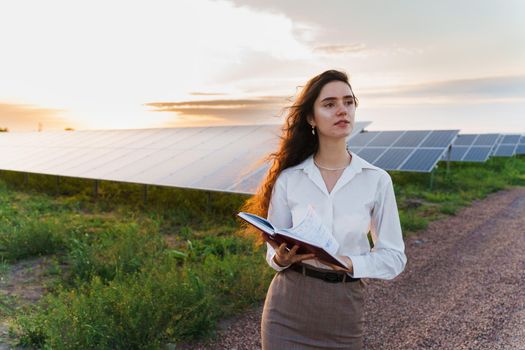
{"x":414,"y":64}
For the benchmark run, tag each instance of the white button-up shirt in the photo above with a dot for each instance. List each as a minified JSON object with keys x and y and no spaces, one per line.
{"x":361,"y":201}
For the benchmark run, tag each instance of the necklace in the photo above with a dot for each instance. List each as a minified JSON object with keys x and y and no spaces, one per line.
{"x":333,"y":169}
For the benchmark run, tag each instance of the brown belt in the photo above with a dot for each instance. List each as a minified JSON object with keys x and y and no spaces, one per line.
{"x":330,"y":277}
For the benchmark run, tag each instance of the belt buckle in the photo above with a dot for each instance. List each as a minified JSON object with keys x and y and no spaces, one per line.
{"x":331,"y":278}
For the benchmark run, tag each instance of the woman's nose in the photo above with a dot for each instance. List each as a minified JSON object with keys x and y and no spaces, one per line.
{"x":341,"y":109}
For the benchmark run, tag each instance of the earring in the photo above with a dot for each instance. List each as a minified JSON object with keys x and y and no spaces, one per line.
{"x":313,"y":130}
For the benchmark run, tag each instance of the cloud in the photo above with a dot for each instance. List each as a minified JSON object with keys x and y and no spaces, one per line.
{"x":476,"y":90}
{"x":17,"y":117}
{"x":207,"y":94}
{"x":263,"y":101}
{"x":256,"y":110}
{"x":340,"y":49}
{"x":270,"y":109}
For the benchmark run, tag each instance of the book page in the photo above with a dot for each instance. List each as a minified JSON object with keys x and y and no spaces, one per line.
{"x":312,"y":230}
{"x":258,"y":222}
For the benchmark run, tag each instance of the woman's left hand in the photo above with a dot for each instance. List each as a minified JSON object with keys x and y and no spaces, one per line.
{"x":339,"y":268}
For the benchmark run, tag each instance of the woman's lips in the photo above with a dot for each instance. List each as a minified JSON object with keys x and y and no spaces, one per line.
{"x":342,"y":123}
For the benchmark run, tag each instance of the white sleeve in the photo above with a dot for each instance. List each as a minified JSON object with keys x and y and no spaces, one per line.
{"x":279,"y":215}
{"x":387,"y":259}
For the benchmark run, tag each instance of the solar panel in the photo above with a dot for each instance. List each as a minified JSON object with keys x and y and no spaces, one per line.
{"x":486,"y":140}
{"x":250,"y":183}
{"x":391,"y":150}
{"x":439,"y":138}
{"x":393,"y":158}
{"x":223,"y":158}
{"x":422,"y":160}
{"x":473,"y":147}
{"x":411,"y":139}
{"x":458,"y":152}
{"x":510,"y":139}
{"x":362,"y":139}
{"x":477,"y":154}
{"x":386,"y":138}
{"x":521,"y":146}
{"x":370,"y":154}
{"x":507,"y":145}
{"x":465,"y":140}
{"x":505,"y":151}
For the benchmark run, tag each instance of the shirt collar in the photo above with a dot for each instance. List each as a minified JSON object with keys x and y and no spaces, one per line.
{"x":357,"y":164}
{"x":355,"y":167}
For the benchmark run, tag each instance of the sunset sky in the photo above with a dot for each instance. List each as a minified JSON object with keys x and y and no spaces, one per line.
{"x":137,"y":64}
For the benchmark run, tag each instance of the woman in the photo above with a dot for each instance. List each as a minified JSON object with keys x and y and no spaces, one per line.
{"x":311,"y":305}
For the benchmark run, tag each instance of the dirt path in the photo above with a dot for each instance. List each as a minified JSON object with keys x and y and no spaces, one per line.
{"x":463,"y":288}
{"x":21,"y":284}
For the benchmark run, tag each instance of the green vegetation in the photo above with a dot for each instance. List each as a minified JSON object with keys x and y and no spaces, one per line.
{"x":133,"y":275}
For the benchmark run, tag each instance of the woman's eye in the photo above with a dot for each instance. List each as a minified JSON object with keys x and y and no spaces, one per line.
{"x":349,"y":102}
{"x":329,"y":105}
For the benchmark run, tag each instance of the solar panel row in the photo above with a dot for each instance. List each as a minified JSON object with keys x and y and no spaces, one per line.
{"x":224,"y":158}
{"x":507,"y":145}
{"x":205,"y":158}
{"x":521,"y":146}
{"x":473,"y":147}
{"x":413,"y":150}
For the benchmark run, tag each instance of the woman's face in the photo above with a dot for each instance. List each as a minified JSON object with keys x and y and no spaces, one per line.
{"x":334,"y":111}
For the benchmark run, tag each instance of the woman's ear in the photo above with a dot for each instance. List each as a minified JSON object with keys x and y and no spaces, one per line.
{"x":310,"y":120}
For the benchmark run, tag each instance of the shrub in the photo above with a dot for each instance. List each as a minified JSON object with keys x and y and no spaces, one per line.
{"x":124,"y":249}
{"x":32,"y":236}
{"x":411,"y":221}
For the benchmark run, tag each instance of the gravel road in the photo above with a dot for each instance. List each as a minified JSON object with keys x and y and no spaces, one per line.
{"x":463,"y":288}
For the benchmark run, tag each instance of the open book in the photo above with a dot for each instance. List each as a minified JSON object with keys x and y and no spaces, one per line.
{"x":309,"y":234}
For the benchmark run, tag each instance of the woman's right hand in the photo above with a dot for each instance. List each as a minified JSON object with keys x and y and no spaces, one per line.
{"x":284,"y":257}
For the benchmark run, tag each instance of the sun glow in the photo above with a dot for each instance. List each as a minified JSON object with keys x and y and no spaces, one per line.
{"x":99,"y":62}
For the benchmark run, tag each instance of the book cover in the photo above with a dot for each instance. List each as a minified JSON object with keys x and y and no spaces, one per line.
{"x":309,"y":234}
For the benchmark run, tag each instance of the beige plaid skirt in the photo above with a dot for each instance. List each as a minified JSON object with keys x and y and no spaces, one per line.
{"x":302,"y":312}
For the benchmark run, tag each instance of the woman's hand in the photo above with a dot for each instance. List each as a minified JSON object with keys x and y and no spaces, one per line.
{"x":284,"y":257}
{"x":339,"y":268}
{"x":347,"y":260}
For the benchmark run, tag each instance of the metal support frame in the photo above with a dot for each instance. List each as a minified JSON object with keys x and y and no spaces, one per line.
{"x":95,"y":189}
{"x":432,"y":178}
{"x":145,"y":194}
{"x":449,"y":151}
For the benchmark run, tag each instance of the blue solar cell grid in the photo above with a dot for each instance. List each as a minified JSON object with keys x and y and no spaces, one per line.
{"x":371,"y":154}
{"x":457,"y":153}
{"x":423,"y":160}
{"x":385,"y":139}
{"x":510,"y":139}
{"x":362,"y":139}
{"x":486,"y":140}
{"x":440,"y":138}
{"x":477,"y":154}
{"x":505,"y":151}
{"x":393,"y":158}
{"x":521,"y":146}
{"x":413,"y":150}
{"x":411,"y":139}
{"x":465,"y":140}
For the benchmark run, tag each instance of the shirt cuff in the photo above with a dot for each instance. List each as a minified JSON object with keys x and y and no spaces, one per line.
{"x":358,"y":266}
{"x":274,"y":265}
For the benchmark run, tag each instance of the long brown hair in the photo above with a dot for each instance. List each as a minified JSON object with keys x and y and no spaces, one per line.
{"x":297,"y":142}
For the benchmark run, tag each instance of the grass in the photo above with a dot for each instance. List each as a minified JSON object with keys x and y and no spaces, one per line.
{"x":135,"y":275}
